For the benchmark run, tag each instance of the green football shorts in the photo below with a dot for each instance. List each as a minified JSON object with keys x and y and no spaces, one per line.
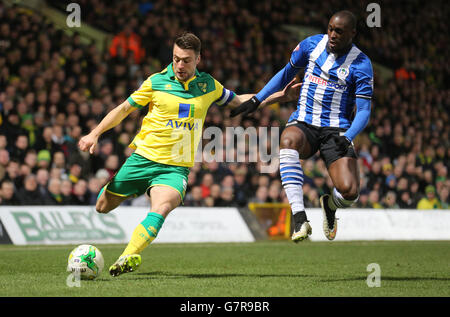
{"x":138,"y":174}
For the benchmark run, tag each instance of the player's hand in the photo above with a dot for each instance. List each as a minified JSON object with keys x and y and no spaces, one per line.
{"x":88,"y":143}
{"x":246,"y":107}
{"x":342,"y":143}
{"x":291,"y":91}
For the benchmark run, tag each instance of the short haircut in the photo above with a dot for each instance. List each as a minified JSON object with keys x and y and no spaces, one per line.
{"x":188,"y":41}
{"x":348,"y":16}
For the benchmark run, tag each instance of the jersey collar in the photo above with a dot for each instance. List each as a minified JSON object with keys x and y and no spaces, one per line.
{"x":172,"y":76}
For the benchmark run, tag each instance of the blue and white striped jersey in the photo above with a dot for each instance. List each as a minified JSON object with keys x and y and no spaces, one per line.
{"x":331,"y":83}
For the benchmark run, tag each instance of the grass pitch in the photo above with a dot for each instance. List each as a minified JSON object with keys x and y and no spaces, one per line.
{"x":260,"y":269}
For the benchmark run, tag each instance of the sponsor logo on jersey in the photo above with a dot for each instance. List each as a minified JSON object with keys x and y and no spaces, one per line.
{"x":323,"y":82}
{"x":174,"y":124}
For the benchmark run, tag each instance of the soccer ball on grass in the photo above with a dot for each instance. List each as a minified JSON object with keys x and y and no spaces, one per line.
{"x":86,"y":261}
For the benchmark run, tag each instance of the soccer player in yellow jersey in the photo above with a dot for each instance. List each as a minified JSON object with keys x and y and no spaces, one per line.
{"x":178,"y":99}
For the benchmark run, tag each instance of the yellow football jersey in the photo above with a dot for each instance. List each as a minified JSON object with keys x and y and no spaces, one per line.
{"x":172,"y":129}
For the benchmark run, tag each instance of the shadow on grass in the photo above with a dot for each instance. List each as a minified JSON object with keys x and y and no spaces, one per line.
{"x":362,"y":278}
{"x":391,"y":278}
{"x":213,"y":275}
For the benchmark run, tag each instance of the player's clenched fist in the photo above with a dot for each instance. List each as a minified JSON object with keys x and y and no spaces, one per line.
{"x":88,"y":142}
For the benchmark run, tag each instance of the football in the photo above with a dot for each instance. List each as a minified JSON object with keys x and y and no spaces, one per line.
{"x":85,"y":261}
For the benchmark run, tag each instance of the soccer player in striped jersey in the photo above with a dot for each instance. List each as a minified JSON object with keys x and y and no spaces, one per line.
{"x":337,"y":77}
{"x":178,"y":99}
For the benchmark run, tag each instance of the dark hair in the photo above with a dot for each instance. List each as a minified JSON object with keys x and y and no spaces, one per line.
{"x":188,"y":41}
{"x":348,"y":16}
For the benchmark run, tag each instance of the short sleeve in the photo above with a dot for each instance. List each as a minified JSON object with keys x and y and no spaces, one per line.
{"x":364,"y":79}
{"x":300,"y":54}
{"x":224,"y":95}
{"x":141,"y":97}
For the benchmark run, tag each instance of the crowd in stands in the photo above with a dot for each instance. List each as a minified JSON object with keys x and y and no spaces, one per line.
{"x":54,"y":89}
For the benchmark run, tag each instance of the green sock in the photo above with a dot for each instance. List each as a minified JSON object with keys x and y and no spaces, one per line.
{"x":144,"y":233}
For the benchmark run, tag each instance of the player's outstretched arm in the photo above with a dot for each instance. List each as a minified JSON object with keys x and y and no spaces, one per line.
{"x":113,"y":118}
{"x":289,"y":93}
{"x":280,"y":80}
{"x":246,"y":104}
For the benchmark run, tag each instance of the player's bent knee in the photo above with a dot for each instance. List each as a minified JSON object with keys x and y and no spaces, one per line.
{"x":349,"y":191}
{"x":102,"y":208}
{"x":288,"y":142}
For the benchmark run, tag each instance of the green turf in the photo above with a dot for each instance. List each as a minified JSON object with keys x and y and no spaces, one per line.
{"x":261,"y":269}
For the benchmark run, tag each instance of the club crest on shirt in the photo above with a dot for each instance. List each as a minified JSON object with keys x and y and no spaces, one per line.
{"x":203,"y":87}
{"x":342,"y":73}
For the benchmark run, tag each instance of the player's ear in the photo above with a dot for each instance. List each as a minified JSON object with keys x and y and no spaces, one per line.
{"x":198,"y":59}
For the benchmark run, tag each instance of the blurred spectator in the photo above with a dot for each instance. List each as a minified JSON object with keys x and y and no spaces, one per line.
{"x":226,"y":198}
{"x":274,"y":192}
{"x":103,"y":176}
{"x":31,"y":159}
{"x":404,"y":149}
{"x":207,"y":182}
{"x":194,"y":198}
{"x":125,"y":42}
{"x":405,"y":200}
{"x":444,"y":197}
{"x":4,"y":159}
{"x":54,"y":196}
{"x":43,"y":159}
{"x":80,"y":193}
{"x":67,"y":192}
{"x":241,"y":187}
{"x":94,"y":186}
{"x":74,"y":172}
{"x":42,"y":177}
{"x":363,"y":201}
{"x":112,"y":164}
{"x":209,"y":202}
{"x":430,"y":201}
{"x":8,"y":195}
{"x":390,"y":200}
{"x":215,"y":193}
{"x":312,"y":198}
{"x":29,"y":194}
{"x":20,"y":147}
{"x":59,"y":161}
{"x":261,"y":196}
{"x":374,"y":200}
{"x":13,"y":173}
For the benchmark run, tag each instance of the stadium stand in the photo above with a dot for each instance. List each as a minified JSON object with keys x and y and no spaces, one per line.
{"x":54,"y":88}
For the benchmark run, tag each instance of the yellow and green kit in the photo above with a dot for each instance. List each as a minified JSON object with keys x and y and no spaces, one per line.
{"x":166,"y":144}
{"x":165,"y":147}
